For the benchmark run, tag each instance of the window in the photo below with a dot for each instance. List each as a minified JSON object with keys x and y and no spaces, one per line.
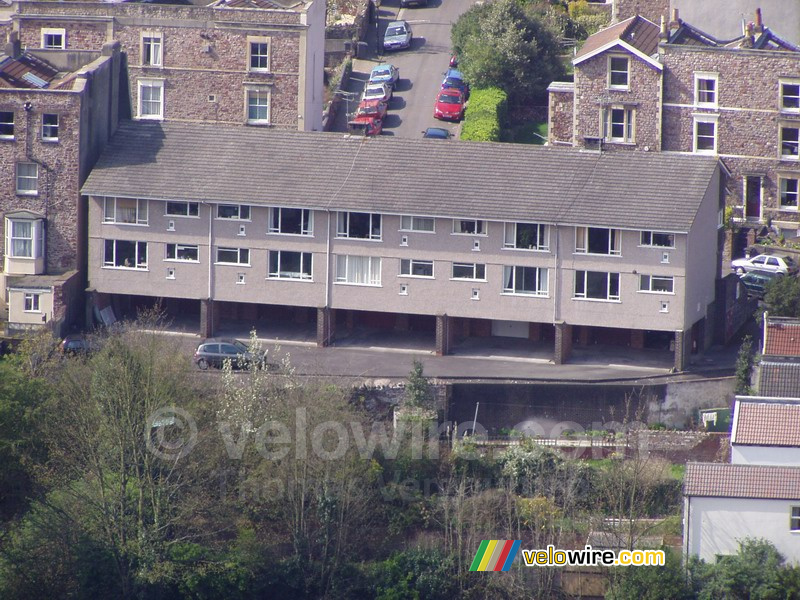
{"x":409,"y":223}
{"x":789,"y":192}
{"x":416,"y":268}
{"x":24,"y":239}
{"x":469,"y":271}
{"x":182,"y":252}
{"x":360,"y":270}
{"x":124,"y":254}
{"x":125,"y":210}
{"x":151,"y":49}
{"x":618,"y":124}
{"x":295,"y":221}
{"x":53,"y":39}
{"x":182,"y":209}
{"x":705,"y":135}
{"x":289,"y":265}
{"x":658,"y":239}
{"x":259,"y":54}
{"x":527,"y":281}
{"x":366,"y":226}
{"x":653,"y":283}
{"x":6,"y":124}
{"x":526,"y":236}
{"x":790,"y":142}
{"x":596,"y":286}
{"x":50,"y":127}
{"x":32,"y":303}
{"x":598,"y":240}
{"x":233,"y":256}
{"x":27,"y":179}
{"x":618,"y":72}
{"x":790,"y":96}
{"x":469,"y":227}
{"x":705,"y":89}
{"x":171,"y":273}
{"x":258,"y":106}
{"x":794,"y":520}
{"x":151,"y":99}
{"x":233,"y":211}
{"x":664,"y":306}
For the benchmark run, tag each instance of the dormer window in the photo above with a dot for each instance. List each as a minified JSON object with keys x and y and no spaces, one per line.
{"x":54,"y":39}
{"x":618,"y":67}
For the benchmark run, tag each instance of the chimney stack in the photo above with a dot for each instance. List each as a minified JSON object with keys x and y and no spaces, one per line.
{"x":13,"y":48}
{"x":676,"y":22}
{"x":747,"y":42}
{"x":759,"y":28}
{"x":663,"y":34}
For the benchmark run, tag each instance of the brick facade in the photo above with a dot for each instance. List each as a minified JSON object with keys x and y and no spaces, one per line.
{"x":560,"y":112}
{"x":649,"y":9}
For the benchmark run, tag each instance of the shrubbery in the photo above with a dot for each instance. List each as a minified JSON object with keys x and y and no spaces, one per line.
{"x":485,"y":115}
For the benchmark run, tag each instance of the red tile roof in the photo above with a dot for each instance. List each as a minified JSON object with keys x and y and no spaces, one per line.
{"x":722,"y":480}
{"x":766,"y":424}
{"x":636,"y":31}
{"x":27,"y":71}
{"x":782,"y":337}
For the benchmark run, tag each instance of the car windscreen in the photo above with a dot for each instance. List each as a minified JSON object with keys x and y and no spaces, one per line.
{"x":395,"y":31}
{"x":449,"y":99}
{"x":240,"y":346}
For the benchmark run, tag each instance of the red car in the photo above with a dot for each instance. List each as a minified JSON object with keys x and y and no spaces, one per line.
{"x":372,"y":108}
{"x":449,"y":105}
{"x":366,"y":125}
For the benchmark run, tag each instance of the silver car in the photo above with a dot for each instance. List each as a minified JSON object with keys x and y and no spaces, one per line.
{"x":398,"y":36}
{"x":214,"y":351}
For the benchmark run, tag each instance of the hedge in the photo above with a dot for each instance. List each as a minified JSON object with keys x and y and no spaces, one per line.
{"x":486,"y":113}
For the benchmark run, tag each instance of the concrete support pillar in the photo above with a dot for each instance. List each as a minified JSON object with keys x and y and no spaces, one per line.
{"x":583,"y":335}
{"x":683,"y":347}
{"x":534,"y":331}
{"x":401,"y":322}
{"x":637,"y":339}
{"x":563,"y":345}
{"x":208,"y":318}
{"x":326,"y":325}
{"x":443,"y":335}
{"x":91,"y":302}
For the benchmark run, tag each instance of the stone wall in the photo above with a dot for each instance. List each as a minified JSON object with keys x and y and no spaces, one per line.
{"x":679,"y":405}
{"x":649,"y":9}
{"x":682,"y":446}
{"x":560,"y":122}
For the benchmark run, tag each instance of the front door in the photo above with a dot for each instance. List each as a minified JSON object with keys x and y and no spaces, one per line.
{"x":752,"y":198}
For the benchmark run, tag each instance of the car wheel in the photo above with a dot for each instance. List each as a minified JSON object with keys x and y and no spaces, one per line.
{"x":202,"y":364}
{"x":740,"y":270}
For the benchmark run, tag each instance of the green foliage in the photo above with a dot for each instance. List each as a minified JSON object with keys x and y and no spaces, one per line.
{"x":782,"y":297}
{"x":752,"y":574}
{"x":418,"y":391}
{"x":744,"y":366}
{"x":488,"y":109}
{"x":667,"y":582}
{"x":416,"y":574}
{"x":501,"y":44}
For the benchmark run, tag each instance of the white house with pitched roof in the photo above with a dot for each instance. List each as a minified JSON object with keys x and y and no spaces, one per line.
{"x":766,"y":431}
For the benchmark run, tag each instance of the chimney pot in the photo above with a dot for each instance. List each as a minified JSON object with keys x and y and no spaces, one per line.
{"x":759,"y":23}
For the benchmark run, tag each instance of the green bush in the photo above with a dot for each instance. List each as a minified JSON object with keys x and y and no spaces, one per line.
{"x":486,"y":113}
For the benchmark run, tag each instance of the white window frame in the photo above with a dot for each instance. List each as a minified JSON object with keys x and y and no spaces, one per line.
{"x":48,"y":129}
{"x":111,"y":211}
{"x":188,"y":206}
{"x":257,"y":92}
{"x":510,"y":241}
{"x":511,"y":273}
{"x":138,"y":264}
{"x":344,"y":271}
{"x":343,"y":225}
{"x":700,"y":77}
{"x":796,"y":142}
{"x":414,"y":223}
{"x":276,"y":221}
{"x":794,"y":518}
{"x":407,"y":266}
{"x":21,"y":178}
{"x":785,"y":192}
{"x":239,"y":210}
{"x":705,"y":120}
{"x":646,"y":284}
{"x":582,"y":241}
{"x":177,"y":248}
{"x":48,"y":31}
{"x":475,"y":267}
{"x":239,"y":253}
{"x":651,"y":235}
{"x":280,"y":273}
{"x":619,"y":86}
{"x":155,"y":40}
{"x":259,"y":40}
{"x":36,"y":238}
{"x":150,"y":84}
{"x":481,"y":227}
{"x":5,"y":122}
{"x":34,"y":301}
{"x":628,"y":124}
{"x":584,"y":276}
{"x":795,"y":99}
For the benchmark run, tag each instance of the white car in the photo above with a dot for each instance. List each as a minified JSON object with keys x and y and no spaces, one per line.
{"x":377,"y":91}
{"x":765,"y":262}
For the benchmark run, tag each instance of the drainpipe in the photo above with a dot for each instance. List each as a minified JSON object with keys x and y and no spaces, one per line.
{"x":210,"y":256}
{"x":328,"y":273}
{"x":556,"y":290}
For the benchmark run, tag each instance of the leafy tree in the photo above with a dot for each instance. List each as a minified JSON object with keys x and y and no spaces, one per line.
{"x":501,"y":45}
{"x":414,"y":574}
{"x":744,"y":366}
{"x":754,"y":573}
{"x":666,"y":582}
{"x":782,"y":297}
{"x":418,"y":391}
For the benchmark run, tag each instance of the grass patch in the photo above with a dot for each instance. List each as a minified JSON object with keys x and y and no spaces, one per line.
{"x":532,"y":132}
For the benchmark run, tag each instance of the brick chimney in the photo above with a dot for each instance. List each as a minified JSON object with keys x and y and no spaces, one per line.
{"x":676,"y":22}
{"x":13,"y":48}
{"x":759,"y":25}
{"x":747,"y":42}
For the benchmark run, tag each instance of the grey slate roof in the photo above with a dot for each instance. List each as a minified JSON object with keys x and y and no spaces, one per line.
{"x":779,"y":379}
{"x":181,"y":161}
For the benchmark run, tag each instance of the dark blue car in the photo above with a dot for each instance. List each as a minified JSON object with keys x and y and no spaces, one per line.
{"x":453,"y":78}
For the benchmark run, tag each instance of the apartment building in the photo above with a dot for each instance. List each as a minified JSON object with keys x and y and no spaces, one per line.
{"x":255,"y":62}
{"x":540,"y":243}
{"x":57,"y":109}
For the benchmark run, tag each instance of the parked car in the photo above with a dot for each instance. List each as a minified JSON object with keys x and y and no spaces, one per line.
{"x":449,"y":105}
{"x":765,"y":262}
{"x":407,"y":3}
{"x":384,"y":73}
{"x":398,"y":36}
{"x":437,"y":133}
{"x":372,"y":108}
{"x":377,"y":91}
{"x":213,"y":352}
{"x":453,"y":78}
{"x":366,"y":125}
{"x":756,"y":282}
{"x":75,"y":344}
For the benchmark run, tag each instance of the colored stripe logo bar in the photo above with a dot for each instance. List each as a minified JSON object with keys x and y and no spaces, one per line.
{"x":495,"y":555}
